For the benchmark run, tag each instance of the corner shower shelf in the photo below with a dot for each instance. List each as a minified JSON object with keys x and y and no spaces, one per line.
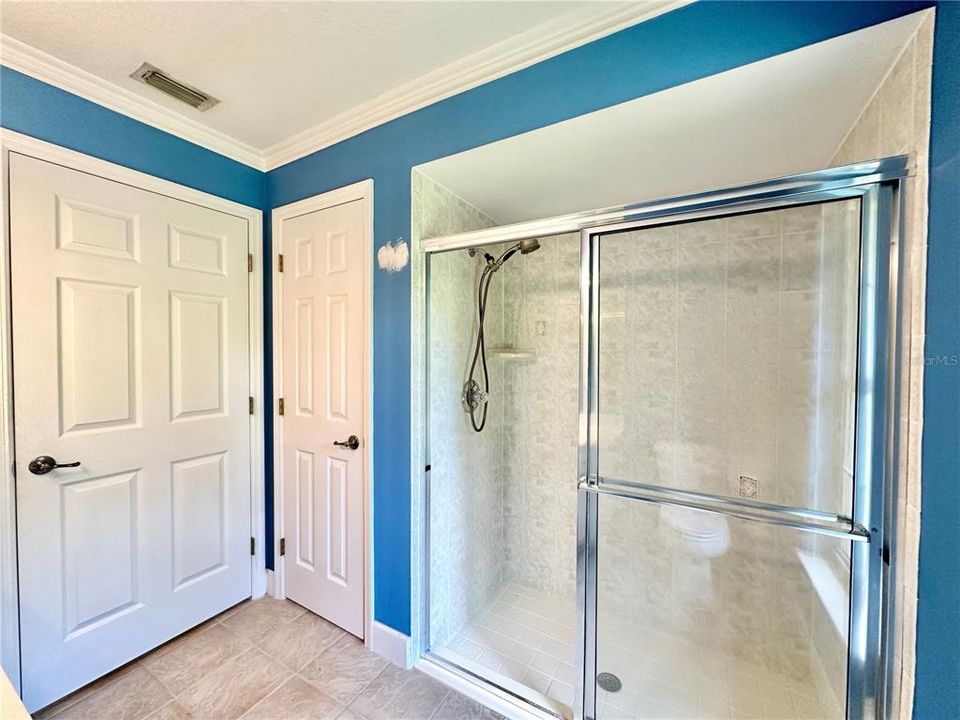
{"x":509,"y":353}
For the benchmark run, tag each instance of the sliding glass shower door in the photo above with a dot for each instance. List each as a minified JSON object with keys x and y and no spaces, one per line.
{"x":725,"y":503}
{"x":727,"y":379}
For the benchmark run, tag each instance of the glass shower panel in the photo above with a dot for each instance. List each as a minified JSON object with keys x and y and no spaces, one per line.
{"x":754,"y":628}
{"x":727,"y":356}
{"x":502,"y":502}
{"x":726,"y":370}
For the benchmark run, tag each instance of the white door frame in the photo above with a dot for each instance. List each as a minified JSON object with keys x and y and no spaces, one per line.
{"x":14,"y":142}
{"x":362,"y":191}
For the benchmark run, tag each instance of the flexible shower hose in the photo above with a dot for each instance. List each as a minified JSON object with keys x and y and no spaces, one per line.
{"x":480,"y":352}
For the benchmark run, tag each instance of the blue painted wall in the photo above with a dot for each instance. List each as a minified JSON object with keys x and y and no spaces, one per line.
{"x":938,"y":622}
{"x":34,"y":108}
{"x":690,"y":43}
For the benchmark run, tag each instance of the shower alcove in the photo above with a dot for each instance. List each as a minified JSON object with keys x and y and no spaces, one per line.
{"x":675,"y":507}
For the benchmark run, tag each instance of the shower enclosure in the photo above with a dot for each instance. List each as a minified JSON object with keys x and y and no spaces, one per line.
{"x":681,"y":503}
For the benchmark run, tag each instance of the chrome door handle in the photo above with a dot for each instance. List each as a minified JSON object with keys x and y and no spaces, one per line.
{"x":43,"y":464}
{"x":352,"y":442}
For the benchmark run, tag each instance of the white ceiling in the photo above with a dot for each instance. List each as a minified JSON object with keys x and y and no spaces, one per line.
{"x":776,"y":117}
{"x":278,"y":68}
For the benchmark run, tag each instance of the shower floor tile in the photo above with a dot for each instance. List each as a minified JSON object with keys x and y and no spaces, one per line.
{"x":680,"y":680}
{"x":524,"y":637}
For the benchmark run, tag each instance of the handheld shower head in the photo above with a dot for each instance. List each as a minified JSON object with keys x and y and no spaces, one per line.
{"x":525,"y":247}
{"x":528,"y":246}
{"x":475,"y":397}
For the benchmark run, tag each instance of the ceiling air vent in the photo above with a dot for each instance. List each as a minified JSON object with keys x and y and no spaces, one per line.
{"x":157,"y":78}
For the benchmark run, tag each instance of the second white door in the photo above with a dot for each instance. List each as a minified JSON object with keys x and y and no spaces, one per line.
{"x":324,"y":396}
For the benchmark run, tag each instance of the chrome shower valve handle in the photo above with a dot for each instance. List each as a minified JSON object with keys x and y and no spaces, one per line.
{"x":472,"y":396}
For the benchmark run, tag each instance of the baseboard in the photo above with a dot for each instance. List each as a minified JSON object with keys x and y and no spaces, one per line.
{"x":389,"y":643}
{"x":271,"y":583}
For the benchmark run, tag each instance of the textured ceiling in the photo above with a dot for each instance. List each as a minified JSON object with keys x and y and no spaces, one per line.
{"x":278,"y":68}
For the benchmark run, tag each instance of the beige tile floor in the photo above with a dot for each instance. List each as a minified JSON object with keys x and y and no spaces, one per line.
{"x":265,"y":660}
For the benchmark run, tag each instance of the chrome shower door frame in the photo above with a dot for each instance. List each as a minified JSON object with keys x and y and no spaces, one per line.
{"x":871,"y":527}
{"x":879,"y":187}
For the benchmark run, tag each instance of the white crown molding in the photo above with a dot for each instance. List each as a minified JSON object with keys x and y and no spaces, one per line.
{"x":539,"y":43}
{"x":546,"y":40}
{"x":53,"y":71}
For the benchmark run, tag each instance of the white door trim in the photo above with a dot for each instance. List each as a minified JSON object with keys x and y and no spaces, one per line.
{"x":363,"y":191}
{"x":11,"y":141}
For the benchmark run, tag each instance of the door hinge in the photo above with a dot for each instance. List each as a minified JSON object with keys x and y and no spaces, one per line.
{"x":283,"y":547}
{"x":251,"y":404}
{"x":253,"y":546}
{"x":281,"y":406}
{"x":249,"y":262}
{"x":280,"y":263}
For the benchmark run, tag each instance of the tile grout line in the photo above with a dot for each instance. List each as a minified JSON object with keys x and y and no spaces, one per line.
{"x":559,"y":664}
{"x":269,"y":694}
{"x":360,"y":692}
{"x":249,"y":644}
{"x":174,"y":697}
{"x":439,"y":704}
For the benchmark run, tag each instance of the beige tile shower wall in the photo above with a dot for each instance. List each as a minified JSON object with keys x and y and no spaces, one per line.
{"x":896,"y":121}
{"x":466,"y":477}
{"x":711,"y":337}
{"x":541,"y":314}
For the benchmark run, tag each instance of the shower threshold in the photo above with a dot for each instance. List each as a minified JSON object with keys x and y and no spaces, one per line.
{"x":537,"y":703}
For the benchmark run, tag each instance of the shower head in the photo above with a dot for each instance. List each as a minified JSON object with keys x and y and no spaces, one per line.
{"x":528,"y":246}
{"x":525,"y":247}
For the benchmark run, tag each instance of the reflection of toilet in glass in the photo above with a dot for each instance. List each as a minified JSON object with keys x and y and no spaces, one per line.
{"x":698,"y":535}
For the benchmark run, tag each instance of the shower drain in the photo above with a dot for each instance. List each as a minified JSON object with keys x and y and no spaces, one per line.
{"x":609,"y":682}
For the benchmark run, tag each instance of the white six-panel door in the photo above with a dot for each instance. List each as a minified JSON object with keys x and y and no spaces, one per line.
{"x":323,"y":389}
{"x":130,"y":342}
